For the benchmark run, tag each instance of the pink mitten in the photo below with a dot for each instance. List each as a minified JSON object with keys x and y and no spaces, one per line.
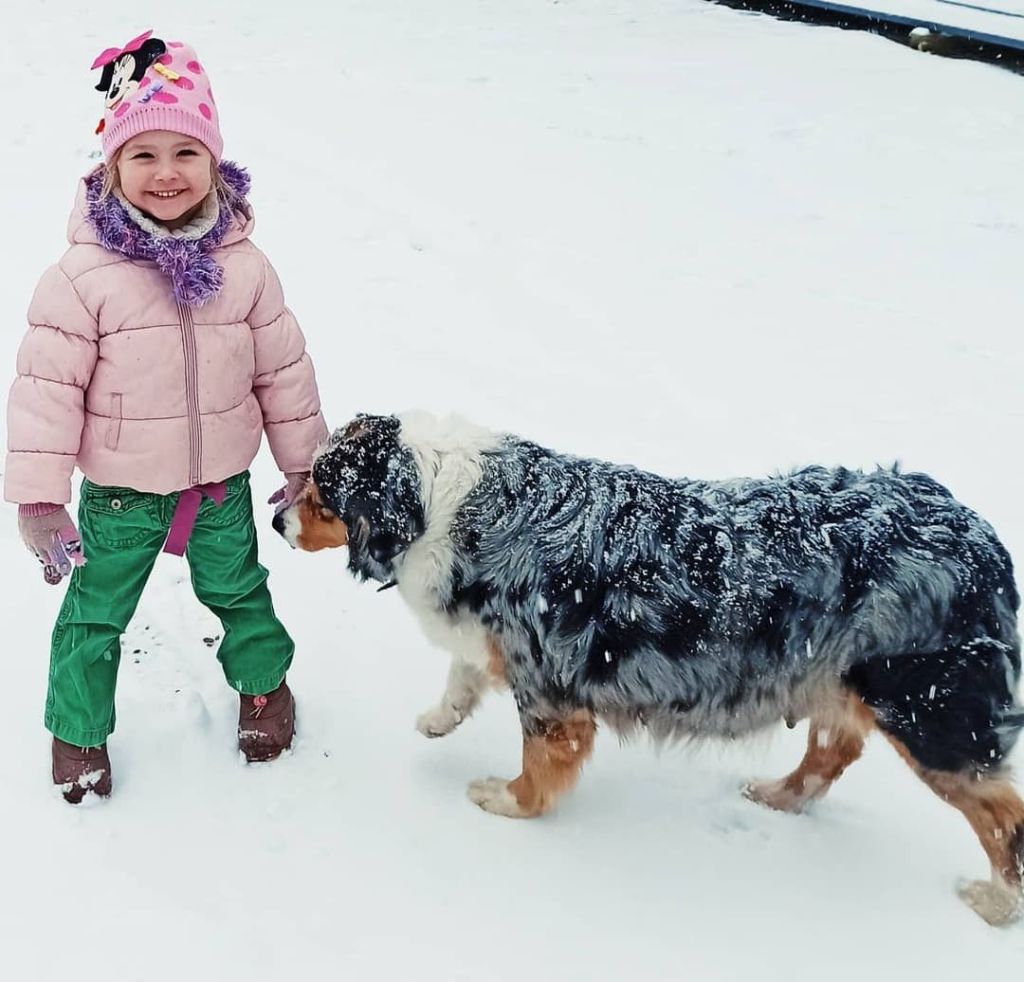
{"x":283,"y":497}
{"x":48,"y":532}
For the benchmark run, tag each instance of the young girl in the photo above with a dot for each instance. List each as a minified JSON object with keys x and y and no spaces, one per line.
{"x":159,"y":351}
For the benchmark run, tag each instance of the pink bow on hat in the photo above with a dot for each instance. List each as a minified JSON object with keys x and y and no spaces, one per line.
{"x":106,"y":57}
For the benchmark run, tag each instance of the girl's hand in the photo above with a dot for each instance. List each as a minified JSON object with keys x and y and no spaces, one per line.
{"x":53,"y":539}
{"x":283,"y":497}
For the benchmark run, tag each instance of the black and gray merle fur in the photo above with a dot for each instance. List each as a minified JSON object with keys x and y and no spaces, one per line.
{"x":695,"y":607}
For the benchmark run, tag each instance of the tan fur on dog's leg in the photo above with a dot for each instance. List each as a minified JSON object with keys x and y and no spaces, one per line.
{"x":552,"y":759}
{"x":996,"y":813}
{"x":834,"y":741}
{"x":496,"y":663}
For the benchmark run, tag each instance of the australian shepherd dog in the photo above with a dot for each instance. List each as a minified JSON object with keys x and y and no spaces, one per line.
{"x":686,"y":608}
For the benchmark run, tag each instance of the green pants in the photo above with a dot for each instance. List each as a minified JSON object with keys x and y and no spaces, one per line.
{"x":122,"y":533}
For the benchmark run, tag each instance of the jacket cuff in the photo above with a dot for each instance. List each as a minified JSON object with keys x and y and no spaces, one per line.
{"x":38,"y":509}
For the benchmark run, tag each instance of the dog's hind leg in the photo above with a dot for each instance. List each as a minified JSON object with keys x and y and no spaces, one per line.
{"x":953,"y":717}
{"x":996,"y":813}
{"x":553,"y":753}
{"x":834,"y":741}
{"x":468,"y":680}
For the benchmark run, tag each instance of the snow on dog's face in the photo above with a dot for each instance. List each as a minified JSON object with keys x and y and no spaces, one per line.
{"x":365,"y":493}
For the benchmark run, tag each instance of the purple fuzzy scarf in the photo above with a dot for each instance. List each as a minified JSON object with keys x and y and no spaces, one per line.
{"x":195,"y":277}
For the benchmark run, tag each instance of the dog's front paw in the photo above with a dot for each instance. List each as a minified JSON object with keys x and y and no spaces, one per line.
{"x":492,"y":794}
{"x":439,"y":721}
{"x":992,"y":900}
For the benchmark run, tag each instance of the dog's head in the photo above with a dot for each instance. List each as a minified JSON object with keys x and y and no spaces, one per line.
{"x":365,"y":492}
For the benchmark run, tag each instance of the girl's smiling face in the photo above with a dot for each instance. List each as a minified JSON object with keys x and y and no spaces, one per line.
{"x":166,"y":175}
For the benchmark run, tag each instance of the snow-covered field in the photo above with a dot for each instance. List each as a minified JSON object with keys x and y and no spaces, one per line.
{"x":667,"y":233}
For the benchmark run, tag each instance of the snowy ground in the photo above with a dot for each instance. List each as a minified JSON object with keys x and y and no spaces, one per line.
{"x":660,"y":232}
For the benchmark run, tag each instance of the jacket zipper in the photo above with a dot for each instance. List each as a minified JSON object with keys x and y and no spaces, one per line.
{"x":195,"y":434}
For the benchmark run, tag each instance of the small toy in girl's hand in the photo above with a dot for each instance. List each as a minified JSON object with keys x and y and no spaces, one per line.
{"x":65,"y":553}
{"x":283,"y":497}
{"x":279,"y":498}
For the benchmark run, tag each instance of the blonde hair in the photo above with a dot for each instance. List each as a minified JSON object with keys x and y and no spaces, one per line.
{"x":112,"y":180}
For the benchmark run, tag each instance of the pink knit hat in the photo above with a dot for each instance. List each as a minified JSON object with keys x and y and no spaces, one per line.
{"x":152,"y":85}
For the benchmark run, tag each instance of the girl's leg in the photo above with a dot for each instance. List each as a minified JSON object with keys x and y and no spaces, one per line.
{"x":255,"y":651}
{"x":122,"y":533}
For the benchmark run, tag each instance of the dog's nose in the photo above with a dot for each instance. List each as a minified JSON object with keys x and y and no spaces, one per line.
{"x":278,"y":523}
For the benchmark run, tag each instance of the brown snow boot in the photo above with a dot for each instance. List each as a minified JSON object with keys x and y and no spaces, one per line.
{"x":266,"y":724}
{"x":79,"y":770}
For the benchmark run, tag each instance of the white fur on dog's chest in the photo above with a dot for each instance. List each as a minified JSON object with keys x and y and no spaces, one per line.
{"x":463,"y":636}
{"x":449,"y":457}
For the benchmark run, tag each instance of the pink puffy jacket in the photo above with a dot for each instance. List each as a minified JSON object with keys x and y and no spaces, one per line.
{"x":142,"y":392}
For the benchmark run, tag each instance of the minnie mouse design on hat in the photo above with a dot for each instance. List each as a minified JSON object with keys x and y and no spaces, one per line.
{"x":123,"y":68}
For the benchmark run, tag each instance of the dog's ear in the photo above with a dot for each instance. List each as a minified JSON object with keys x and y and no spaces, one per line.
{"x":382,"y":540}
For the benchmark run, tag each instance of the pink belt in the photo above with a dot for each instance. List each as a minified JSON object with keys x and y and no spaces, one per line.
{"x":185,"y":514}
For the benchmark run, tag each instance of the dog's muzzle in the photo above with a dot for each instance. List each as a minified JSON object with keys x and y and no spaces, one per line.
{"x":286,"y":525}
